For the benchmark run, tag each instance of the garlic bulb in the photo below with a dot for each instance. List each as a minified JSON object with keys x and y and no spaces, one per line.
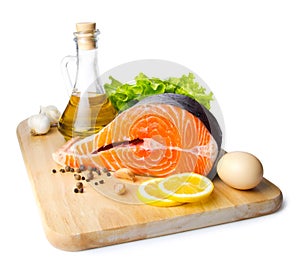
{"x":52,"y":113}
{"x":39,"y":124}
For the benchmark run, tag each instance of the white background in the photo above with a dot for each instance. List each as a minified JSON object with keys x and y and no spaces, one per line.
{"x":248,"y":52}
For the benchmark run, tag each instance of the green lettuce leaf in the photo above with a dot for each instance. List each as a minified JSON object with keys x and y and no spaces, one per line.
{"x":125,"y":95}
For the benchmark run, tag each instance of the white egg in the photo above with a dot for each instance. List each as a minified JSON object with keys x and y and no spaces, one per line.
{"x":240,"y":170}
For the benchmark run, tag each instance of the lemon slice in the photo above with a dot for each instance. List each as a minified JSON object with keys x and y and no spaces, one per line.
{"x":149,"y":193}
{"x":186,"y":187}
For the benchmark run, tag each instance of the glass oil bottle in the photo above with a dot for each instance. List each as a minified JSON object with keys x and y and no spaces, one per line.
{"x":89,"y":109}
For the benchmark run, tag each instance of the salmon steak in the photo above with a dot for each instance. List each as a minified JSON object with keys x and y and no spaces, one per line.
{"x":159,"y":136}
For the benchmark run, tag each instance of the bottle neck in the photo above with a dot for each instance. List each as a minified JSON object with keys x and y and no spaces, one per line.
{"x":87,"y":76}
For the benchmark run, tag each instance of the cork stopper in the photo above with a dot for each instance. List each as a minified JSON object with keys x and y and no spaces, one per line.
{"x":86,"y":35}
{"x":86,"y":27}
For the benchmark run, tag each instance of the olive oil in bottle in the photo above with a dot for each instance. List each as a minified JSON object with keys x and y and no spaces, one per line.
{"x":85,"y":116}
{"x":89,"y":108}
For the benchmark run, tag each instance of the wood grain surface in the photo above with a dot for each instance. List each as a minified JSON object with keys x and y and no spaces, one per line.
{"x":77,"y":221}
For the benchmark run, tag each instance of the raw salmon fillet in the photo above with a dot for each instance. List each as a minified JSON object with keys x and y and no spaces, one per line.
{"x":159,"y":136}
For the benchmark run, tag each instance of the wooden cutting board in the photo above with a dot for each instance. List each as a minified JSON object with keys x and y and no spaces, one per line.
{"x":77,"y":221}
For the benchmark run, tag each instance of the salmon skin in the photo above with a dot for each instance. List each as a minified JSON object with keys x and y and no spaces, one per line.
{"x":161,"y":135}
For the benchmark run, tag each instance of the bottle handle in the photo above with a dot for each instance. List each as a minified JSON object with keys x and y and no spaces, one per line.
{"x":65,"y":63}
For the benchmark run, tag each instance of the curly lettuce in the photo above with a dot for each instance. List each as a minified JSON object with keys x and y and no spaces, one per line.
{"x":125,"y":95}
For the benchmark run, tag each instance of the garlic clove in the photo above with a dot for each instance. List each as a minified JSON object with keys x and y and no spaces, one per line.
{"x":52,"y":113}
{"x":39,"y":124}
{"x":125,"y":173}
{"x":120,"y":188}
